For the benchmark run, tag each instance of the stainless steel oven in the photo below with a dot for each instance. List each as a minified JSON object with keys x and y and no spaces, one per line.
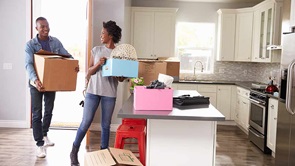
{"x":257,"y":115}
{"x":258,"y":119}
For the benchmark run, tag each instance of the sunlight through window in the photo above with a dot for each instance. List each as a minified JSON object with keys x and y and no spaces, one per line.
{"x":195,"y":42}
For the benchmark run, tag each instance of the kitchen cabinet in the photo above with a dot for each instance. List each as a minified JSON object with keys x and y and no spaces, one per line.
{"x":208,"y":91}
{"x":187,"y":86}
{"x":153,"y":31}
{"x":243,"y":108}
{"x":233,"y":102}
{"x":244,"y":30}
{"x":226,"y":34}
{"x":267,"y":31}
{"x":292,"y":13}
{"x":222,"y":97}
{"x":272,"y":124}
{"x":224,"y":101}
{"x":234,"y":34}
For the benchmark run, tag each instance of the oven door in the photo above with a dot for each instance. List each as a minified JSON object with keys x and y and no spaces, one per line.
{"x":257,"y":116}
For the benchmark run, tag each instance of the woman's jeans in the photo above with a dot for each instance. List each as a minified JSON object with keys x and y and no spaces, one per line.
{"x":90,"y":106}
{"x":40,"y":128}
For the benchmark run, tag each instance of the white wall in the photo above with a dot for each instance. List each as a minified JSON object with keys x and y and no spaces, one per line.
{"x":15,"y":28}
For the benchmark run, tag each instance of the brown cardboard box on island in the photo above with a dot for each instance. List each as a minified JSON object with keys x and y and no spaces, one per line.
{"x":106,"y":158}
{"x":150,"y":69}
{"x":56,"y":73}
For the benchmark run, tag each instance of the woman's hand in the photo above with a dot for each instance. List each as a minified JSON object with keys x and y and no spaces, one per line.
{"x":102,"y":61}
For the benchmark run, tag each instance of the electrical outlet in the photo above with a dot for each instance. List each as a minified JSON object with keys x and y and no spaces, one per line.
{"x":7,"y":66}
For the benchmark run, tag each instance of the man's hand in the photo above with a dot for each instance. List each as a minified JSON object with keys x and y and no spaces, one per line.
{"x":77,"y":69}
{"x":39,"y":85}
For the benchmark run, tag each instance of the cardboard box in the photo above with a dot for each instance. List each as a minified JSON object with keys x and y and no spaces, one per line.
{"x":150,"y":69}
{"x":106,"y":158}
{"x":152,"y":99}
{"x":56,"y":73}
{"x":120,"y":67}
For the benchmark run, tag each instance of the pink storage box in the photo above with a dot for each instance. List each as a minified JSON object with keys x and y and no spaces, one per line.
{"x":152,"y":99}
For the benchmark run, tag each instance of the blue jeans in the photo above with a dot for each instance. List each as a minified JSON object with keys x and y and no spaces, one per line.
{"x":91,"y":104}
{"x":40,"y":128}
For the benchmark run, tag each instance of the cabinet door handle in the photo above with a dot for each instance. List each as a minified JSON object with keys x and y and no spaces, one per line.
{"x":272,"y":106}
{"x":275,"y":118}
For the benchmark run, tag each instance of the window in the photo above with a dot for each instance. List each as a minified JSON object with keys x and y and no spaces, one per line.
{"x":195,"y":42}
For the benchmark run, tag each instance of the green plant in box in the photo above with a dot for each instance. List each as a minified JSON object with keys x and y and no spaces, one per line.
{"x":136,"y":82}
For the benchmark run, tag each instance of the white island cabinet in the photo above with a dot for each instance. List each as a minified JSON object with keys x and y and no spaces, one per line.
{"x":180,"y":136}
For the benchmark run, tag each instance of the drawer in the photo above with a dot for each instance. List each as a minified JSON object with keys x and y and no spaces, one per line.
{"x":207,"y":88}
{"x":243,"y":92}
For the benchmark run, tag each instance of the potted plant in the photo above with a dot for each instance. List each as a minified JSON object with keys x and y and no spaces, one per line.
{"x":136,"y":82}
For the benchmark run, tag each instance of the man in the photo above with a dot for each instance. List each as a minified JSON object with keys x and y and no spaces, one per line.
{"x":48,"y":43}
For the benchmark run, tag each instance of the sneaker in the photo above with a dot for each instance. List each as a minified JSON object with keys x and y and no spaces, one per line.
{"x":47,"y":142}
{"x":41,"y":152}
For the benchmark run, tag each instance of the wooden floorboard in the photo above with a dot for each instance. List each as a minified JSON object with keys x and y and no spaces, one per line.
{"x":17,"y":148}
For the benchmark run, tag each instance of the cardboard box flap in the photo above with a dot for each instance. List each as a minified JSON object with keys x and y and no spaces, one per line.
{"x":47,"y":53}
{"x":169,"y":59}
{"x":126,"y":157}
{"x":101,"y":158}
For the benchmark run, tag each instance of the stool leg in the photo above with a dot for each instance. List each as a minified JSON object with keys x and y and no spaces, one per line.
{"x":118,"y":141}
{"x":142,"y":146}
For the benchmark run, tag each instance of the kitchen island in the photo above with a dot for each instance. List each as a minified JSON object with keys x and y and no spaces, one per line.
{"x":179,"y":136}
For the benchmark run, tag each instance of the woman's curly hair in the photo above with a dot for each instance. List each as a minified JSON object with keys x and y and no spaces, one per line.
{"x":114,"y":30}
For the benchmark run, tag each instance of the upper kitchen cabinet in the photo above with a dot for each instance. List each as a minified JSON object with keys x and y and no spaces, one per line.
{"x":267,"y":31}
{"x":226,"y":34}
{"x":292,"y":14}
{"x":235,"y":34}
{"x":153,"y":31}
{"x":244,"y":31}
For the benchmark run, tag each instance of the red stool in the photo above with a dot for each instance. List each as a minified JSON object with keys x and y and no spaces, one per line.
{"x":126,"y":131}
{"x":134,"y":121}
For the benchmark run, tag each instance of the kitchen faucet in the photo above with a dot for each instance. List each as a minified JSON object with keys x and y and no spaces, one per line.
{"x":195,"y":67}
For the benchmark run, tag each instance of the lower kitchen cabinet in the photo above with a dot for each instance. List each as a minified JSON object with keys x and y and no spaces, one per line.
{"x":243,"y":108}
{"x":272,"y":124}
{"x":208,"y":91}
{"x":224,"y":100}
{"x":223,"y":97}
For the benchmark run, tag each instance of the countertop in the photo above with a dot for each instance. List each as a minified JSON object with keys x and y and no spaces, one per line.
{"x":244,"y":84}
{"x":197,"y":113}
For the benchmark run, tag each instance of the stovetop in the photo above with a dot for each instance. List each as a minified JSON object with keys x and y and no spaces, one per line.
{"x":259,"y":95}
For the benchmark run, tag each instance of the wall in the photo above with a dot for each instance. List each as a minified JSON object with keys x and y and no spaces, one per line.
{"x":14,"y":101}
{"x":15,"y":28}
{"x":206,"y":12}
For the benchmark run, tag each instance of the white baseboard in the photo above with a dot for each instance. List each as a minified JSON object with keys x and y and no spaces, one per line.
{"x":227,"y":122}
{"x":14,"y":124}
{"x":97,"y":127}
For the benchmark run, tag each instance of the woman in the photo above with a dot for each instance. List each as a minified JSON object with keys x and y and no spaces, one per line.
{"x":100,"y":89}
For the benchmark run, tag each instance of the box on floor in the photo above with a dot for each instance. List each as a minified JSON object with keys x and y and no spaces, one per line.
{"x":106,"y":158}
{"x":55,"y":72}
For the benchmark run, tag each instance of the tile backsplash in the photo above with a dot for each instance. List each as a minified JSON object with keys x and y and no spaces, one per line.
{"x":239,"y":71}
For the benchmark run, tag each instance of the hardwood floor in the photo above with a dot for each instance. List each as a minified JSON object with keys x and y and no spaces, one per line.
{"x":17,"y":148}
